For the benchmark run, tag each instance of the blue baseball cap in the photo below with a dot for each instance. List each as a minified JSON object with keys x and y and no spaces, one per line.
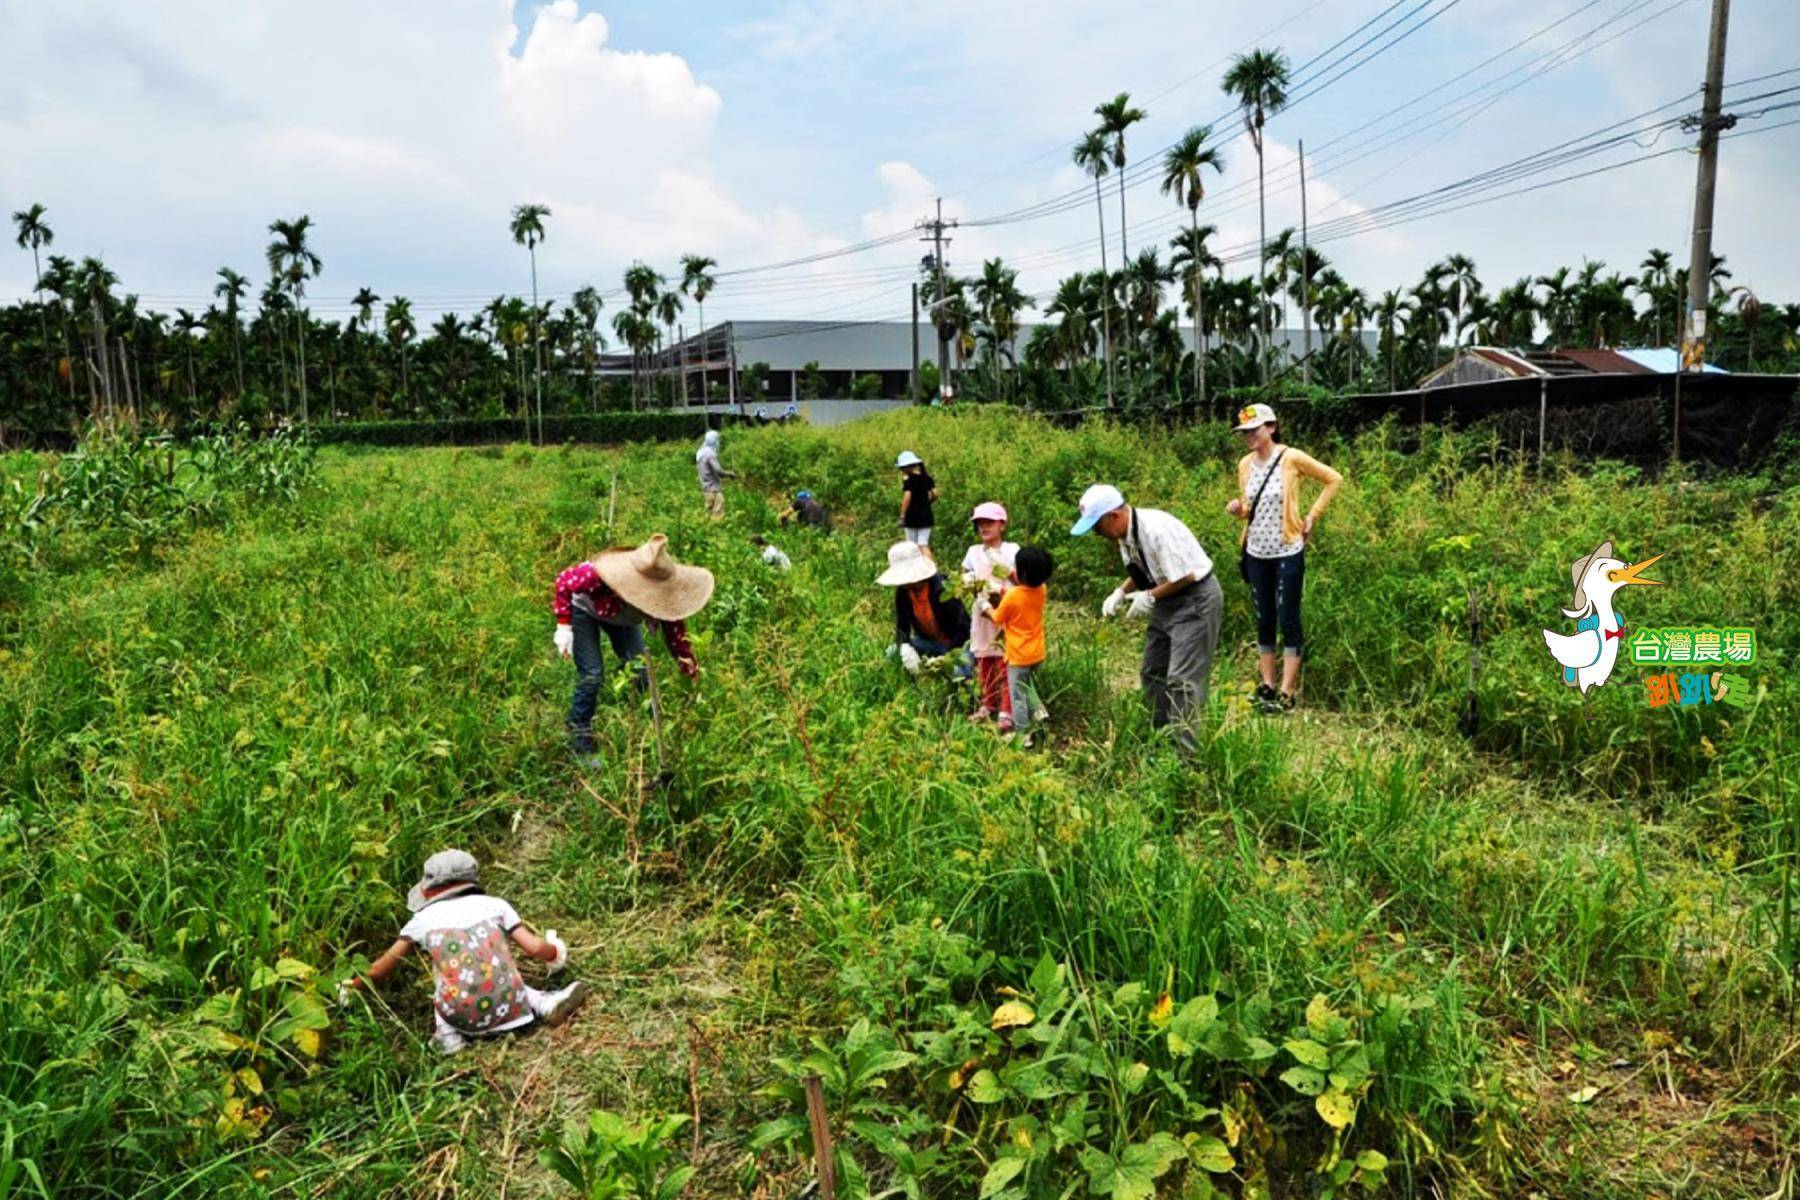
{"x":803,"y":495}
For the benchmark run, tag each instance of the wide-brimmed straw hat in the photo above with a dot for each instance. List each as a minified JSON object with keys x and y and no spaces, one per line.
{"x":453,"y":871}
{"x":651,"y":581}
{"x":907,"y":563}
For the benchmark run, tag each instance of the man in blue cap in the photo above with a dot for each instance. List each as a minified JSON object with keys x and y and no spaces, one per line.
{"x":1170,"y":582}
{"x":808,"y":511}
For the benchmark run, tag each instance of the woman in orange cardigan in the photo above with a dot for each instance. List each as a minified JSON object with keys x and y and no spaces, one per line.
{"x":1273,"y":557}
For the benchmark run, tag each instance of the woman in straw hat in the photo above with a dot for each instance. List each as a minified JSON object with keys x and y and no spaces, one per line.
{"x":928,"y":623}
{"x":616,"y":593}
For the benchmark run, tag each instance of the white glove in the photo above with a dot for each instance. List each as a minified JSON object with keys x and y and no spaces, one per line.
{"x":562,"y":950}
{"x":982,"y":607}
{"x":1141,"y":604}
{"x":344,"y":992}
{"x":1110,"y":605}
{"x":909,"y":658}
{"x":565,"y":641}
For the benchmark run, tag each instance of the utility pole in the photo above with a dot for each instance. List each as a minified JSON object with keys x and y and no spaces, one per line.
{"x":1710,"y":123}
{"x":937,"y":225}
{"x":1305,"y":276}
{"x":912,"y":367}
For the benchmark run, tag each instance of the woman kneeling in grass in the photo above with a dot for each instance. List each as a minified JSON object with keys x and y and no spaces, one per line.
{"x":928,"y":622}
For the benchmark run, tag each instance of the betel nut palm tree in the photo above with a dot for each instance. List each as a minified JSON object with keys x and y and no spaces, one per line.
{"x":527,"y":228}
{"x":1184,"y":177}
{"x":1259,"y":82}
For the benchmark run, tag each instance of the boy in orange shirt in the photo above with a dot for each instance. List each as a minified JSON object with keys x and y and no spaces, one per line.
{"x":1020,"y":616}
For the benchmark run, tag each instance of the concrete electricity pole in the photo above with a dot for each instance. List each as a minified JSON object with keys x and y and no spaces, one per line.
{"x":937,"y":225}
{"x":1305,"y":277}
{"x":1710,"y":123}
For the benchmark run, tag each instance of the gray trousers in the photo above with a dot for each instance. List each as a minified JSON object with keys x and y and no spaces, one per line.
{"x":1178,"y":659}
{"x":1022,"y":683}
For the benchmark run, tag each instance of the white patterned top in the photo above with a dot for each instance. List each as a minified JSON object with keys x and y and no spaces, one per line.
{"x":1265,"y":527}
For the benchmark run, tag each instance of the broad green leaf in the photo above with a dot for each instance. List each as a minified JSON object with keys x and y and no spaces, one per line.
{"x":984,"y":1088}
{"x":1129,"y":995}
{"x":1305,"y":1080}
{"x":1371,"y":1160}
{"x":292,"y":968}
{"x":1335,"y":1108}
{"x":1134,"y":1077}
{"x":1188,"y":1026}
{"x":781,"y":1129}
{"x":1308,"y":1052}
{"x":674,"y":1183}
{"x":1323,"y":1020}
{"x":1210,"y":1154}
{"x":999,"y":1173}
{"x":263,"y":977}
{"x":219,"y":1009}
{"x":1045,"y":976}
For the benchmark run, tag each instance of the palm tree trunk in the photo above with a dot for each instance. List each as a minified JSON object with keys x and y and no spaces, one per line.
{"x":1124,"y":262}
{"x":1262,"y":265}
{"x":537,"y":348}
{"x":1198,"y":279}
{"x":43,"y":323}
{"x":1105,"y":298}
{"x":237,"y":354}
{"x":300,"y":324}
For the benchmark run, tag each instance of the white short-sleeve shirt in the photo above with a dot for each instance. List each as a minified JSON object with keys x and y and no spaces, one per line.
{"x":1170,"y":549}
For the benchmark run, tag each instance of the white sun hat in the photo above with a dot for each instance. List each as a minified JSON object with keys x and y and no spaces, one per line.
{"x":908,"y":459}
{"x":907,"y":563}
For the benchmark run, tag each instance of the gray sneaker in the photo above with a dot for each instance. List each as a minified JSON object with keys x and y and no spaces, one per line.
{"x":563,"y":1004}
{"x":449,"y":1041}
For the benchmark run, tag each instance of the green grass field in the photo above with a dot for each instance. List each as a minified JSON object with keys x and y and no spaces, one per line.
{"x":1352,"y":949}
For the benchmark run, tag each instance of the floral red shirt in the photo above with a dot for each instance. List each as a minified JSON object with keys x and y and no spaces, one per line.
{"x":583,"y":581}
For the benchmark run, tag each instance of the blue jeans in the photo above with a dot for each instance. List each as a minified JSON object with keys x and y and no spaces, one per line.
{"x":590,"y":668}
{"x":1275,"y":586}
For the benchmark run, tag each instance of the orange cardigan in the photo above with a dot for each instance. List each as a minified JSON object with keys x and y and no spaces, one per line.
{"x":1294,"y":464}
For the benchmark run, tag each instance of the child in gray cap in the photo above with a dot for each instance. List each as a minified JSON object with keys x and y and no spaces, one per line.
{"x":477,"y":990}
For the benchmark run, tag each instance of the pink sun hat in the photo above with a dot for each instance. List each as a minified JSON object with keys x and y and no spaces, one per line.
{"x":988,"y":511}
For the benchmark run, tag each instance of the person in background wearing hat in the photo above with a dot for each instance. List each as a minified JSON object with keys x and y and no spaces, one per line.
{"x":927,"y":622}
{"x":477,"y":990}
{"x":1171,"y":583}
{"x":712,"y":475}
{"x":985,"y":569}
{"x":807,"y":510}
{"x":1272,"y":549}
{"x":615,"y":593}
{"x":918,"y":491}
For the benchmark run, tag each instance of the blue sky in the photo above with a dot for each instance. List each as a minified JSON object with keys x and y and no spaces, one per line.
{"x":168,"y":135}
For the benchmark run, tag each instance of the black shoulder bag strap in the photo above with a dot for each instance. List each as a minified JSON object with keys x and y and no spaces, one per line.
{"x":1140,"y":574}
{"x":1244,"y":554}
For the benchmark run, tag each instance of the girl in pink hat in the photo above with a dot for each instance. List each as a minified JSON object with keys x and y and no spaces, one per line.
{"x":985,"y":569}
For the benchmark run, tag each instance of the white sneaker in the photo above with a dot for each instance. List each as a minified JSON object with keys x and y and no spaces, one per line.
{"x":1039,"y":715}
{"x":449,"y":1041}
{"x":562,"y":1005}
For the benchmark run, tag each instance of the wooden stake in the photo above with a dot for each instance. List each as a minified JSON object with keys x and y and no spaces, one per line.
{"x":821,"y":1136}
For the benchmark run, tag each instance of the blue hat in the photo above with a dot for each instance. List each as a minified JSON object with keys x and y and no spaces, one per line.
{"x":803,"y":495}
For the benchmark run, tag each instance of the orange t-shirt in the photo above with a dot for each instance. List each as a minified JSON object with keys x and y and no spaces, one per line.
{"x":1020,"y":616}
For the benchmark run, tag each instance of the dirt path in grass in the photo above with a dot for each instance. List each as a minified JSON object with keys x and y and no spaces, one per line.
{"x":664,"y":1031}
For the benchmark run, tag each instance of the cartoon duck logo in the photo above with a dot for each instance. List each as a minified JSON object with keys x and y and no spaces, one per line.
{"x":1587,"y":655}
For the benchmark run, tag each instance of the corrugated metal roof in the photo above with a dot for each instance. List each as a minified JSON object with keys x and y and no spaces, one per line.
{"x":1605,"y":362}
{"x":1663,"y":360}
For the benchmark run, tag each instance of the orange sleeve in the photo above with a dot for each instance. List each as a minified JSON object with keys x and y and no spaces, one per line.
{"x":1007,"y":608}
